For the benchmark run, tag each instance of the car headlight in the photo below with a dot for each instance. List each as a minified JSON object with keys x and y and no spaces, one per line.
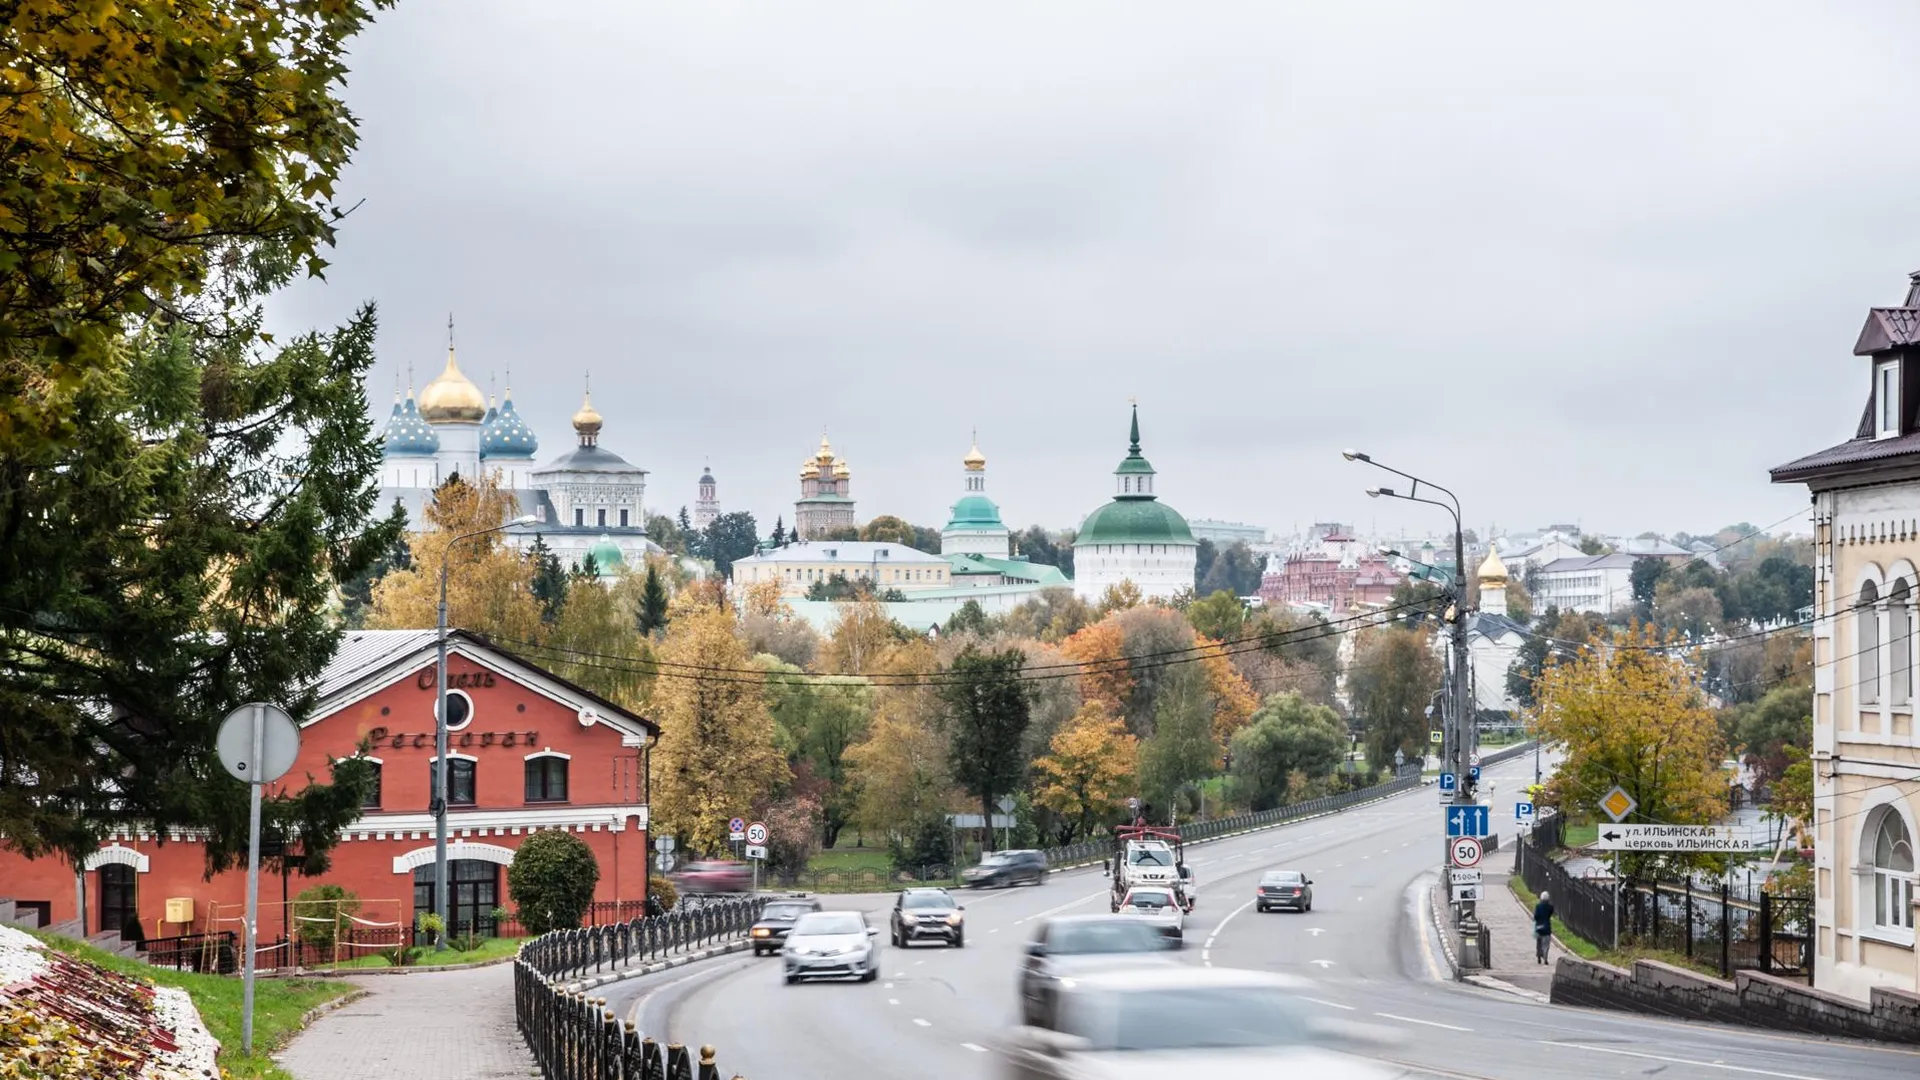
{"x":954,"y":919}
{"x":761,"y":931}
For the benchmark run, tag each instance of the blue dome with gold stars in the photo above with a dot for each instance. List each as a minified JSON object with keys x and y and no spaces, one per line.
{"x":407,"y":434}
{"x":505,"y":435}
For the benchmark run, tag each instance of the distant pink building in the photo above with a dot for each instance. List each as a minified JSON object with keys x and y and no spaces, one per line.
{"x":1338,"y":577}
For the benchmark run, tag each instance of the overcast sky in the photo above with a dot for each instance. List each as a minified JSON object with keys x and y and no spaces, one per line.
{"x":1594,"y":263}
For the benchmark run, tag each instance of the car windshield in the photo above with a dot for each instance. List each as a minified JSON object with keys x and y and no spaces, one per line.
{"x":828,"y":922}
{"x":1281,"y":877}
{"x":1183,"y":1018}
{"x":1115,"y":936}
{"x":925,"y":900}
{"x":1152,"y":857}
{"x":785,"y":911}
{"x":1149,"y":898}
{"x":994,"y":860}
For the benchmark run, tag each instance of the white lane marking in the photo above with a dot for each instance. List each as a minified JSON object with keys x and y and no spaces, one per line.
{"x":995,"y":930}
{"x":1417,"y":1020}
{"x":975,"y":1047}
{"x":633,"y":1012}
{"x":929,"y":1023}
{"x":1324,"y":964}
{"x":1205,"y":957}
{"x":1680,"y":1061}
{"x":889,"y":986}
{"x":917,"y":963}
{"x":893,"y":1001}
{"x":899,"y":974}
{"x":1064,"y":907}
{"x":1328,"y":1004}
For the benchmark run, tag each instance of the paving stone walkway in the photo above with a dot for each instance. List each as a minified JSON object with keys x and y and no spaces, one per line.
{"x":1511,"y":923}
{"x":440,"y":1025}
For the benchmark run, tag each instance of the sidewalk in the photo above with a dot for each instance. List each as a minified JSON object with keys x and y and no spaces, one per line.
{"x":456,"y":1025}
{"x":1511,"y":924}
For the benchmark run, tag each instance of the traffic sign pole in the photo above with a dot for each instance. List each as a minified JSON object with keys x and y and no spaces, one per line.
{"x":253,"y":883}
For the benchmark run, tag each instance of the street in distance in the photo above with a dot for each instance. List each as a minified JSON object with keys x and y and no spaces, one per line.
{"x":1710,"y":838}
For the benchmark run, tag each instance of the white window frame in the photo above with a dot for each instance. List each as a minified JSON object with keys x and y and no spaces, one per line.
{"x":1886,"y":399}
{"x":1892,"y":889}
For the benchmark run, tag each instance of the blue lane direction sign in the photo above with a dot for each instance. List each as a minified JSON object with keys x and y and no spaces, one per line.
{"x":1469,"y":820}
{"x":1448,"y":781}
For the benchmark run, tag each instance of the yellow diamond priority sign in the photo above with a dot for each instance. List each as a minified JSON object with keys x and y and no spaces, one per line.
{"x":1618,"y":804}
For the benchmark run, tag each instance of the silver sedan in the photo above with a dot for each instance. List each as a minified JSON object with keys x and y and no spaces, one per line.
{"x":832,"y":944}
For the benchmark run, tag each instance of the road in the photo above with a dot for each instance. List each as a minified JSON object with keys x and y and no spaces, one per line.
{"x":938,"y":1013}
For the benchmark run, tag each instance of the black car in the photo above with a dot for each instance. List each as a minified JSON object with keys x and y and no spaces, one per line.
{"x":1284,"y":889}
{"x":920,"y":914}
{"x":776,"y":922}
{"x":1074,"y":945}
{"x":1008,"y":868}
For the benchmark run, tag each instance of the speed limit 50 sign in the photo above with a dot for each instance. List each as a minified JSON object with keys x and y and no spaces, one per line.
{"x":1465,"y":851}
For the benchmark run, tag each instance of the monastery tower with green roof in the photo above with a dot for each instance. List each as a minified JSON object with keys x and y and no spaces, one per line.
{"x":974,"y":527}
{"x":1136,"y":537}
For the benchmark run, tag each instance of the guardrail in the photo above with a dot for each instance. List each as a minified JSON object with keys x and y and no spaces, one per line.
{"x":576,"y":1037}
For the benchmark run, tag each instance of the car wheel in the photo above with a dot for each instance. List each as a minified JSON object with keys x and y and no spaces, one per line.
{"x":1043,"y":877}
{"x":1261,"y":908}
{"x":757,"y":951}
{"x":1309,"y":906}
{"x":960,"y":941}
{"x":791,"y":979}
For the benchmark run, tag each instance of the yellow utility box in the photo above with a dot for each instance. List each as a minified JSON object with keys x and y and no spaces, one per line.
{"x":180,"y":909}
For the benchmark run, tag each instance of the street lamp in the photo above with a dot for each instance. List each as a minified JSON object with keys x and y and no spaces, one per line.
{"x":1461,"y":736}
{"x":439,"y":804}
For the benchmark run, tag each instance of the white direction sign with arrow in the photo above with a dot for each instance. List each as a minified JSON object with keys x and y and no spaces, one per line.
{"x":1315,"y":930}
{"x":1704,"y":838}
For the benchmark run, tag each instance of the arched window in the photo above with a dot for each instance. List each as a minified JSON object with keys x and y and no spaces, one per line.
{"x":546,"y":779}
{"x":1892,"y":851}
{"x":1866,"y":621}
{"x":371,"y":801}
{"x":1900,"y":640}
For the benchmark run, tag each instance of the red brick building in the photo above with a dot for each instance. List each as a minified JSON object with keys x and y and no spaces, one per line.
{"x":527,"y":751}
{"x":1338,"y":578}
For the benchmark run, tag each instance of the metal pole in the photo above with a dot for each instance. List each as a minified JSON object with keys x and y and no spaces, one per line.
{"x":440,"y":763}
{"x":253,"y":881}
{"x":1462,"y":689}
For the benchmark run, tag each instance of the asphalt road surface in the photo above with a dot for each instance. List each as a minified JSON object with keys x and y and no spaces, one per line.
{"x":940,"y":1014}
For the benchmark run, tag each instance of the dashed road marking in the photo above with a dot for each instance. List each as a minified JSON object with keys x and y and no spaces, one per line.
{"x":1680,"y":1061}
{"x":1328,"y":1004}
{"x":1417,"y":1020}
{"x":975,"y":1047}
{"x":929,"y":1023}
{"x":893,"y":1001}
{"x":1205,"y":953}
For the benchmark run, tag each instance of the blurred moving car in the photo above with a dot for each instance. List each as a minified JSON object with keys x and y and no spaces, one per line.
{"x":776,"y":922}
{"x":1156,"y":906}
{"x":833,"y":944}
{"x":715,"y":876}
{"x":927,"y":913}
{"x":1284,"y":889}
{"x":1000,"y":868}
{"x":1204,"y":1022}
{"x":1068,"y":946}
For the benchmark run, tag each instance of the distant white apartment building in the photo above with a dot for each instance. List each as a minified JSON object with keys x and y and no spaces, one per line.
{"x":1224,"y":533}
{"x":1596,"y":583}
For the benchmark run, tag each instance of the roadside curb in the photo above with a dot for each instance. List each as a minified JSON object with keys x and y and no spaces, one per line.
{"x":1491,"y":983}
{"x":658,"y":966}
{"x":310,"y":1017}
{"x":1440,"y":927}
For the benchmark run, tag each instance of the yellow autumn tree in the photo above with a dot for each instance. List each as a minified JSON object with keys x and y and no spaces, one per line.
{"x":1234,"y":697}
{"x":717,"y":756}
{"x":594,"y":641}
{"x":862,"y":633}
{"x":1625,"y":711}
{"x":489,"y":584}
{"x":1105,"y":677}
{"x":901,"y":767}
{"x":1088,"y":768}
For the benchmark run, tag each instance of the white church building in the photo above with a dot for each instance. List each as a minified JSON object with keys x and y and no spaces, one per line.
{"x":1135,"y":537}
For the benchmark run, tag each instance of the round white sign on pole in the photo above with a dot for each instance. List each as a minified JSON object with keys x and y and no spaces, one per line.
{"x":1466,"y":851}
{"x":279,"y":743}
{"x":757,"y":834}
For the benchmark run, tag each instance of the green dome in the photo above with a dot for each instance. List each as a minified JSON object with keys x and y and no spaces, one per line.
{"x":1135,"y":521}
{"x":975,"y":512}
{"x":606,"y":555}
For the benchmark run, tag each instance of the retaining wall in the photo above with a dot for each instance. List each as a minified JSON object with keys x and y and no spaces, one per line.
{"x":1750,"y":999}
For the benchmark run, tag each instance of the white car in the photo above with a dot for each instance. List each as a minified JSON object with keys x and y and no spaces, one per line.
{"x":1158,"y":905}
{"x":1205,"y":1022}
{"x":832,"y":944}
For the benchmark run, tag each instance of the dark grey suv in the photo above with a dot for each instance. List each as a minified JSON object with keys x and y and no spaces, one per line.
{"x":922,"y":914}
{"x":1008,"y":868}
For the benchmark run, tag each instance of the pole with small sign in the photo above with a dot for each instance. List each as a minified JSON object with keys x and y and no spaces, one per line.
{"x":257,"y":744}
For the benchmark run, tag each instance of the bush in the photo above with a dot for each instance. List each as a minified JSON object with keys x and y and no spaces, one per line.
{"x":931,"y":844}
{"x":662,"y":889}
{"x":326,"y":903}
{"x":552,"y":881}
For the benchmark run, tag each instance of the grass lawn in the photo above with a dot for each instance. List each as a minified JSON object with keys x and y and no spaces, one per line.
{"x":847,"y":859}
{"x":278,"y":1005}
{"x":1579,"y":836}
{"x":488,"y":949}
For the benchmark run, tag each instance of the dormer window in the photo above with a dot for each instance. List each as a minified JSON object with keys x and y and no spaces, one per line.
{"x":1886,"y":399}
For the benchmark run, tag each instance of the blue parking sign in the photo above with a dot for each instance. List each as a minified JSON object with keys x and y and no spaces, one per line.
{"x":1523,"y":812}
{"x":1474,"y":774}
{"x":1448,"y":781}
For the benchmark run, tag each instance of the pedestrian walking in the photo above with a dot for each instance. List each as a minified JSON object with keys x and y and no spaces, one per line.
{"x":1542,"y":927}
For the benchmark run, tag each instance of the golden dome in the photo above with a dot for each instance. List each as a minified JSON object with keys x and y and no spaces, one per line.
{"x":452,"y":397}
{"x":587,"y":420}
{"x":1493,"y":569}
{"x":809,"y":469}
{"x":975,"y":460}
{"x":840,"y":468}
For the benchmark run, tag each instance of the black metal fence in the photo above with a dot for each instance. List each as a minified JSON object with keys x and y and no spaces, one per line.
{"x":215,"y":954}
{"x":1708,"y":924}
{"x":576,"y":1037}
